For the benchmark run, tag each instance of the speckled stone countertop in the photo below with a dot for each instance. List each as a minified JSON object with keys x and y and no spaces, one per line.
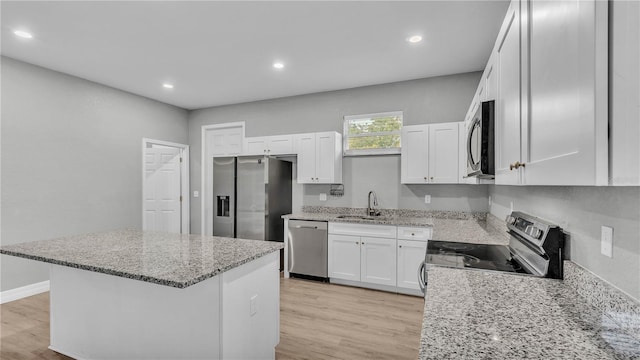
{"x":161,"y":258}
{"x":458,"y":226}
{"x":490,"y":315}
{"x":398,"y":217}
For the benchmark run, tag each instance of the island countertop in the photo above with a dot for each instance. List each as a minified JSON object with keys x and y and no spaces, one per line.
{"x":174,"y":260}
{"x":489,"y":315}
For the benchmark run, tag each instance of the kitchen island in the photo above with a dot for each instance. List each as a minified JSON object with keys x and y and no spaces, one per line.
{"x":148,"y":295}
{"x":471,"y":314}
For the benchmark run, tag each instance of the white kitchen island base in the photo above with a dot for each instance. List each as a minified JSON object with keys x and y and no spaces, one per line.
{"x":233,"y":315}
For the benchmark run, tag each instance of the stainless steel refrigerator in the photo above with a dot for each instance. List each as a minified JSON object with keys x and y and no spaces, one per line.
{"x":250,"y":194}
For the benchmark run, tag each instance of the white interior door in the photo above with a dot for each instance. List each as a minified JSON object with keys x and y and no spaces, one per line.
{"x":162,"y":190}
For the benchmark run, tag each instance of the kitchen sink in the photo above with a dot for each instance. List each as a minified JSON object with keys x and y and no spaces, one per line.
{"x":356,"y":217}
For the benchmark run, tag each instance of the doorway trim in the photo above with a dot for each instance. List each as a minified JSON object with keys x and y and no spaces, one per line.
{"x":184,"y":180}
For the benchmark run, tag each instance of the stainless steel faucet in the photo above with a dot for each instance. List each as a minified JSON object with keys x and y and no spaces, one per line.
{"x":371,"y":210}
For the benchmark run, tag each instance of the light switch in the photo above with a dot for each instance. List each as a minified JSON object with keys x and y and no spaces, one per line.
{"x":427,"y":199}
{"x":253,"y":306}
{"x":606,"y":242}
{"x":196,"y":194}
{"x":323,"y":197}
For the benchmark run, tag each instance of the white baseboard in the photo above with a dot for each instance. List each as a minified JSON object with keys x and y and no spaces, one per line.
{"x":23,"y":292}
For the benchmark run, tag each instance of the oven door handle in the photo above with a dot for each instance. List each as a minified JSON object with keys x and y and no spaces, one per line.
{"x":422,"y":282}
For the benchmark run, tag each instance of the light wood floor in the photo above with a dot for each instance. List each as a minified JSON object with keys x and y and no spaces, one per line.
{"x":317,"y":321}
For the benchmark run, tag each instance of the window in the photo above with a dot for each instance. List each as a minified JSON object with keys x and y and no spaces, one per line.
{"x":372,"y":134}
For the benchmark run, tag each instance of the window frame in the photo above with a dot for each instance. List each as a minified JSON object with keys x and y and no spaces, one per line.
{"x":366,"y":152}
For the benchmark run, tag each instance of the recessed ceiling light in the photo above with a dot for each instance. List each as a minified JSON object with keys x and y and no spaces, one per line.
{"x":167,"y":86}
{"x":23,"y":34}
{"x":414,"y":39}
{"x":278,"y":65}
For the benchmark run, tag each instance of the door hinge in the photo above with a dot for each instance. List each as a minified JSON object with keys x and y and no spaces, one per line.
{"x":180,"y":159}
{"x":180,"y":198}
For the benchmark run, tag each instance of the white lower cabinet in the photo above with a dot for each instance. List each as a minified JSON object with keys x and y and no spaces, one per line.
{"x":344,"y":257}
{"x":378,"y":261}
{"x":377,"y":256}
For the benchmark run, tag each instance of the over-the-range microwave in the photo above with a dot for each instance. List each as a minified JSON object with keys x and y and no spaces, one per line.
{"x":480,"y":142}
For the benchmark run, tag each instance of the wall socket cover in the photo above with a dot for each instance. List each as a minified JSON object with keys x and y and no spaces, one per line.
{"x":427,"y":199}
{"x":196,"y":193}
{"x":323,"y":197}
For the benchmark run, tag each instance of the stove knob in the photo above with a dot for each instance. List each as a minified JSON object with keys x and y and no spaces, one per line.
{"x":536,"y":233}
{"x":528,"y":230}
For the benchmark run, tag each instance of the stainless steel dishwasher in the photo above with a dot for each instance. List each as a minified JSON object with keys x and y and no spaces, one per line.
{"x":308,"y":248}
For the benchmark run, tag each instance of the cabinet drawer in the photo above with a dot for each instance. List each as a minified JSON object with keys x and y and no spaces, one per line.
{"x":383,"y":231}
{"x":414,"y":233}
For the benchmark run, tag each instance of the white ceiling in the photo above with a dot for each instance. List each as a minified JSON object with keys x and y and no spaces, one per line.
{"x":219,"y":53}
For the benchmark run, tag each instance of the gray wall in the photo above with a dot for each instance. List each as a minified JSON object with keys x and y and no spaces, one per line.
{"x":581,"y":211}
{"x":71,"y":159}
{"x":431,"y":100}
{"x":382,"y":175}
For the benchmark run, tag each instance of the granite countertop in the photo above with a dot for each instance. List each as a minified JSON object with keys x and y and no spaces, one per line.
{"x":480,"y":228}
{"x":167,"y":259}
{"x":396,"y":220}
{"x":490,"y":315}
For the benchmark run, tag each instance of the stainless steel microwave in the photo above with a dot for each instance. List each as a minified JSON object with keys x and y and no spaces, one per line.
{"x":480,"y":142}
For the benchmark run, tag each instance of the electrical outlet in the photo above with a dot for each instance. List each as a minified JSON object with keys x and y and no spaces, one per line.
{"x":196,"y":193}
{"x":427,"y":199}
{"x":511,"y":206}
{"x":323,"y":197}
{"x":489,"y":200}
{"x":606,"y":241}
{"x":253,"y":306}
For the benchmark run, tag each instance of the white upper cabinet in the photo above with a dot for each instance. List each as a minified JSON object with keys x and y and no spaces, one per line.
{"x":414,"y":154}
{"x":507,"y":107}
{"x":625,"y":92}
{"x":269,"y":145}
{"x":565,"y":137}
{"x":551,"y":99}
{"x":490,"y":80}
{"x":319,"y":157}
{"x":430,"y":154}
{"x":443,"y":153}
{"x":225,"y":141}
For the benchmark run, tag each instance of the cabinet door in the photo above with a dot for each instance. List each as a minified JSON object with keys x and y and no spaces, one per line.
{"x":326,"y":158}
{"x":280,"y":145}
{"x":413,"y":158}
{"x":306,"y":149}
{"x":255,"y":146}
{"x":443,"y":153}
{"x":507,"y":107}
{"x":490,"y":81}
{"x":378,"y":261}
{"x":564,"y":138}
{"x":344,"y":257}
{"x":225,"y":142}
{"x":410,"y":257}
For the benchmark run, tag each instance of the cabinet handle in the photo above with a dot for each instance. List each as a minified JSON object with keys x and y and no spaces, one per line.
{"x":425,"y":178}
{"x":431,"y":178}
{"x":362,"y":243}
{"x":412,"y":234}
{"x":357,"y":243}
{"x":400,"y":246}
{"x":516,"y":165}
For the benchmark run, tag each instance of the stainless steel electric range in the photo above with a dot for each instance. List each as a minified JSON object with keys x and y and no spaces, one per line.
{"x":536,"y":248}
